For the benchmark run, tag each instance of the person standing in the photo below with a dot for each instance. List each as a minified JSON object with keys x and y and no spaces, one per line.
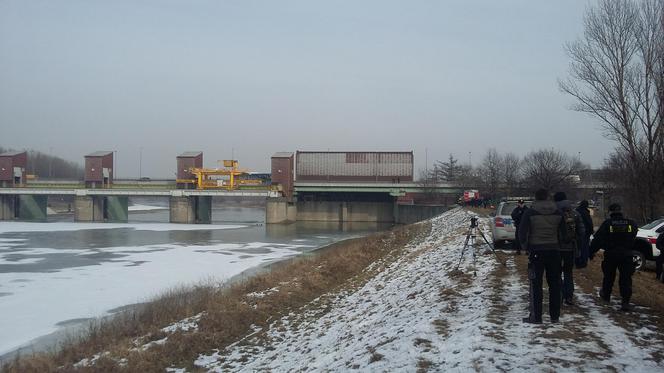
{"x":539,"y":234}
{"x":584,"y":247}
{"x":660,"y":259}
{"x":517,"y":213}
{"x":616,"y":236}
{"x":572,"y":232}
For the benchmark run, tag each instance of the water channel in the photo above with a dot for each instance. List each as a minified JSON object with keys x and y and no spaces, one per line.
{"x":58,"y":275}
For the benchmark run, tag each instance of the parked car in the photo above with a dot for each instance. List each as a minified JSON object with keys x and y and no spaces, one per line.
{"x":646,"y":238}
{"x":502,"y":226}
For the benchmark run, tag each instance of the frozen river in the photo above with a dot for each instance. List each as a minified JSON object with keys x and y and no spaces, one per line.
{"x":57,"y":274}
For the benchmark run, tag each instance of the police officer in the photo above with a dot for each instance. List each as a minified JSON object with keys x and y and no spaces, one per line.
{"x":616,"y":236}
{"x":517,"y":213}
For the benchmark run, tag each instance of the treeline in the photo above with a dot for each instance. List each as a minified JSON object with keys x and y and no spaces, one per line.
{"x":45,"y":166}
{"x":500,"y":175}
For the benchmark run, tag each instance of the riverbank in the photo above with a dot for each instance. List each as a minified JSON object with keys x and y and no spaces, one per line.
{"x":152,"y":337}
{"x":406,"y":300}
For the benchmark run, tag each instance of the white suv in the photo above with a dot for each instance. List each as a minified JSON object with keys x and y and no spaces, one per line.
{"x":649,"y":233}
{"x":502,"y":226}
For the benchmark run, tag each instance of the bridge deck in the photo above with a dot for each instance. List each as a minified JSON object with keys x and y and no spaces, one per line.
{"x":135,"y":192}
{"x":396,"y":189}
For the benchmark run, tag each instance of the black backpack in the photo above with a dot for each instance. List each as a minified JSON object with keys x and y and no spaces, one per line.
{"x":568,"y":228}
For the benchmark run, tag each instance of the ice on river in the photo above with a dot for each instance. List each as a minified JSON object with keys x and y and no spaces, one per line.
{"x":8,"y":227}
{"x":33,"y":302}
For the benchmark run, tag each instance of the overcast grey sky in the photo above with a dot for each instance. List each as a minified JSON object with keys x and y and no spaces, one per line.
{"x":266,"y":76}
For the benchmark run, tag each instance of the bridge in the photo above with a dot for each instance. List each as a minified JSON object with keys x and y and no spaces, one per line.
{"x":318,"y":186}
{"x":372,"y":202}
{"x":186,"y":206}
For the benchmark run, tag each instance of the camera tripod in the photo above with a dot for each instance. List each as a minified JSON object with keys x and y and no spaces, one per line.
{"x":471,"y":240}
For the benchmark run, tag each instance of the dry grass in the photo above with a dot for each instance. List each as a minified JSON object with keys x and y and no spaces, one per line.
{"x":229,"y":313}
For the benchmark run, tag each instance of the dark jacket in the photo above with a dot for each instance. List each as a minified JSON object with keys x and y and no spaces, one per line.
{"x":539,"y":227}
{"x":660,"y":244}
{"x":587,"y":220}
{"x":566,"y":205}
{"x":517,"y":213}
{"x":616,"y":236}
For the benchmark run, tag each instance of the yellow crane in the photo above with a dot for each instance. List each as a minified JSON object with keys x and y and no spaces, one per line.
{"x":205,"y":176}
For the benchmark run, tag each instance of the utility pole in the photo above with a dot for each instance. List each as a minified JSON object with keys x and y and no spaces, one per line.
{"x":426,"y":165}
{"x":140,"y":162}
{"x":50,"y":162}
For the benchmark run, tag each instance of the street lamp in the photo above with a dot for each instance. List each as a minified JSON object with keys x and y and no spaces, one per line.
{"x":50,"y":162}
{"x":140,"y":162}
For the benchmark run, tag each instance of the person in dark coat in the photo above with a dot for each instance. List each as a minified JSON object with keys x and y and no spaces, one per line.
{"x":584,"y":247}
{"x":539,"y":232}
{"x":517,"y":213}
{"x":569,"y":250}
{"x":660,"y":259}
{"x":616,"y":236}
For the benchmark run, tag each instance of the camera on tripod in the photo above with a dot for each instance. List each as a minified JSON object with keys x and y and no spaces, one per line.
{"x":471,"y":241}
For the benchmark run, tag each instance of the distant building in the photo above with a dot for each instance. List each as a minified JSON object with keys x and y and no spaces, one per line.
{"x":12,"y":169}
{"x":99,"y":169}
{"x":283,"y":174}
{"x":185,"y":162}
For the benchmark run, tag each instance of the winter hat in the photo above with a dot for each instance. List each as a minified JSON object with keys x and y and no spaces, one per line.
{"x":583,"y":204}
{"x":615,"y":207}
{"x":559,"y":196}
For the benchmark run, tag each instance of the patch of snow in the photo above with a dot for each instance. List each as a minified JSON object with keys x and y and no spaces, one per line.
{"x":88,"y":362}
{"x":145,"y":208}
{"x":185,"y":325}
{"x":158,"y":342}
{"x":176,"y":370}
{"x":262,"y":294}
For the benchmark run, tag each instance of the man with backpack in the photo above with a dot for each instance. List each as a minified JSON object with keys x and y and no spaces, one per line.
{"x":539,"y":234}
{"x":572,"y":232}
{"x":517,"y":213}
{"x":616,"y":236}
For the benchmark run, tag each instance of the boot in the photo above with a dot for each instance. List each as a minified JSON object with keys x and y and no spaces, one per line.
{"x":529,"y":320}
{"x":626,"y":307}
{"x":606,"y":298}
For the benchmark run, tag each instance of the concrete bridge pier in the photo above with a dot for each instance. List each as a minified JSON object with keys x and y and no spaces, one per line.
{"x":8,"y":207}
{"x":88,"y":208}
{"x":101,"y":208}
{"x":280,"y":211}
{"x":25,"y":207}
{"x":191,"y":209}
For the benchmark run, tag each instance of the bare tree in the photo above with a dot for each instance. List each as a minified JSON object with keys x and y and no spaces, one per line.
{"x":617,"y":75}
{"x":511,"y":172}
{"x":549,"y":169}
{"x":467,"y":176}
{"x":491,"y":172}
